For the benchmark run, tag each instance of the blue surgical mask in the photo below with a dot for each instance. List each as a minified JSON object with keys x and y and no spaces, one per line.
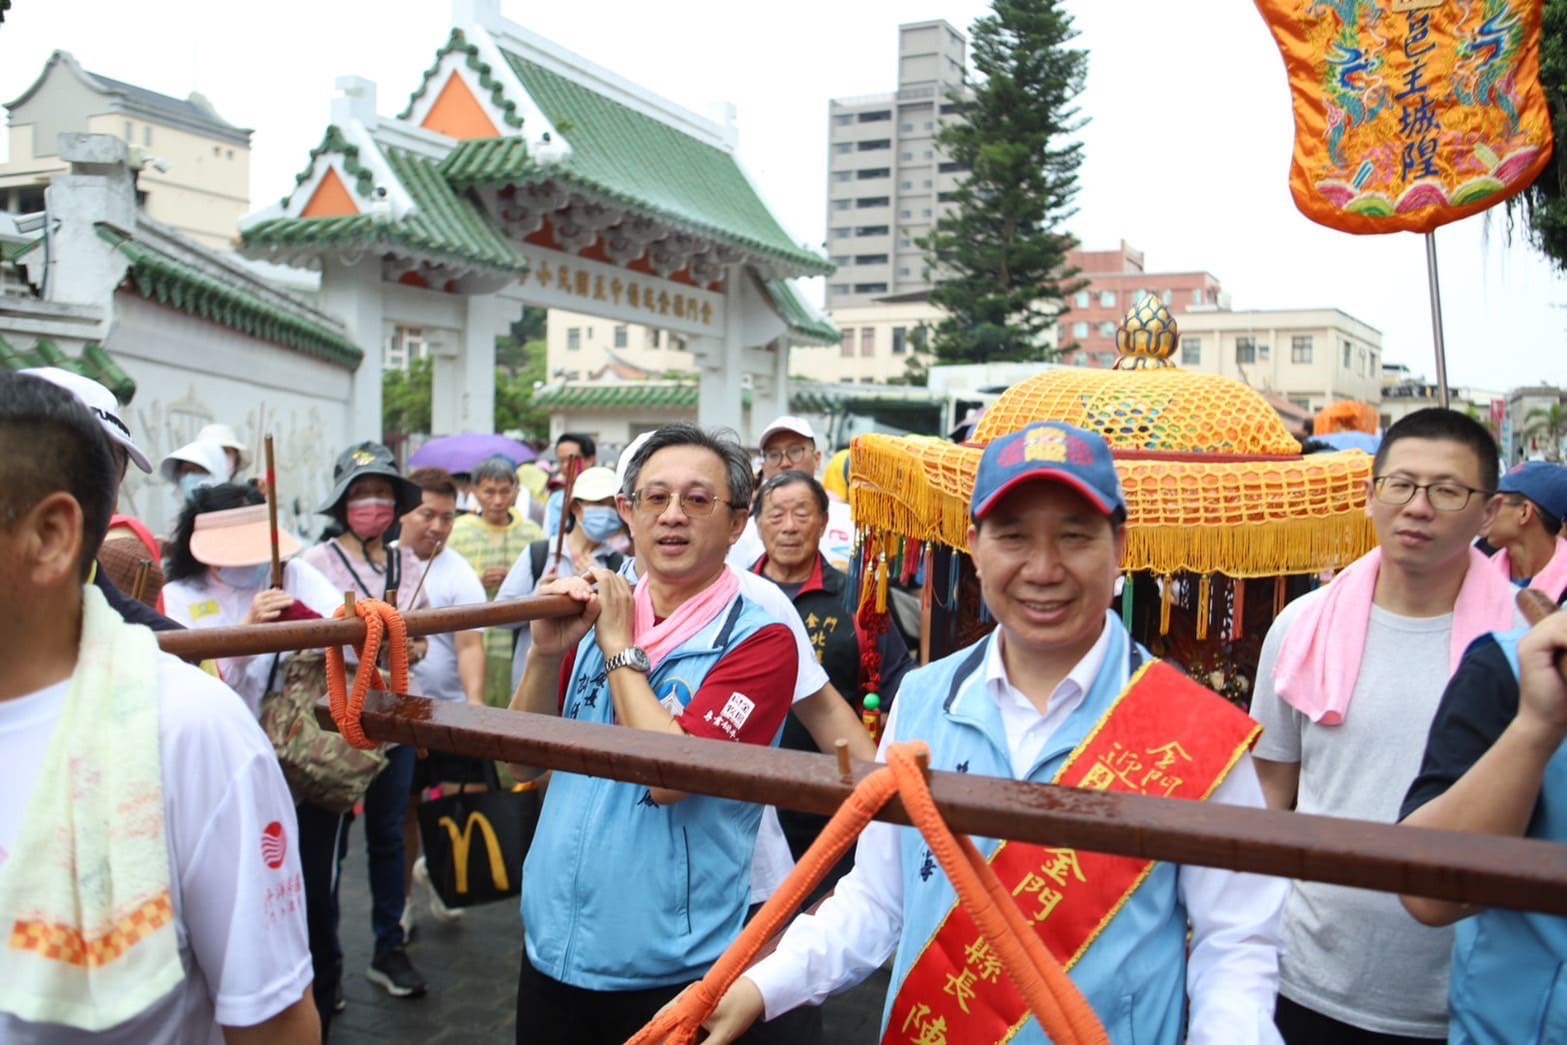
{"x":244,"y":578}
{"x":600,"y":523}
{"x":190,"y":482}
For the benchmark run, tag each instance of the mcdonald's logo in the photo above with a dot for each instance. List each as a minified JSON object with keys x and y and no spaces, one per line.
{"x":460,"y":842}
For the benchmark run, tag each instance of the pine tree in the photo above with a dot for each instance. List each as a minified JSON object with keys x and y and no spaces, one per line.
{"x":998,"y":258}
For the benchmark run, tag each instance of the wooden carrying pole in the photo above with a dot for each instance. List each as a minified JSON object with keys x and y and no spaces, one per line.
{"x":277,"y":559}
{"x":1501,"y":872}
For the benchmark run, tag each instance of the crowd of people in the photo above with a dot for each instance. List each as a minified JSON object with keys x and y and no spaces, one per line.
{"x":163,"y":884}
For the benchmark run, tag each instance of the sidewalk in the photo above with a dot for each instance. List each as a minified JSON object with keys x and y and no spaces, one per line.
{"x":471,"y":967}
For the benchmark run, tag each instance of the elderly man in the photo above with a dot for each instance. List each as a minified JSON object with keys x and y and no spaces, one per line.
{"x":1527,"y":527}
{"x":792,"y":516}
{"x":184,"y":809}
{"x":633,"y":892}
{"x":1168,"y":954}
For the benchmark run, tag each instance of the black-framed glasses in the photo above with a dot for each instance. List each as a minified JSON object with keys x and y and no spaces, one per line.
{"x":793,"y":454}
{"x":695,"y":503}
{"x":1445,"y":496}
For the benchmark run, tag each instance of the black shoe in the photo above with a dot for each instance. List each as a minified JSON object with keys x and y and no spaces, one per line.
{"x":393,"y":972}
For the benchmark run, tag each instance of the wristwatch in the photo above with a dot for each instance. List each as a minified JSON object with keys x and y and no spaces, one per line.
{"x":634,"y":657}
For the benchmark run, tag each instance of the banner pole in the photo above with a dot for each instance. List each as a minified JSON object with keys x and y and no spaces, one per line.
{"x":1436,"y":321}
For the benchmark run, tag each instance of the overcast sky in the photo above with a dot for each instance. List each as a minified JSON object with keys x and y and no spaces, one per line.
{"x":1187,"y":149}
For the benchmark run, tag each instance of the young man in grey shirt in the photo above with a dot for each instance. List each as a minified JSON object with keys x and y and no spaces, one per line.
{"x":1343,"y":736}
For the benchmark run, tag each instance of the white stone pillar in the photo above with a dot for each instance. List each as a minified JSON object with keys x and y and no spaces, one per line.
{"x":719,"y":363}
{"x":352,"y":293}
{"x":476,"y":398}
{"x":446,"y":382}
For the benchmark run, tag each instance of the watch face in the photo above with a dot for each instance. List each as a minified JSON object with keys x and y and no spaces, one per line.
{"x":637,"y":657}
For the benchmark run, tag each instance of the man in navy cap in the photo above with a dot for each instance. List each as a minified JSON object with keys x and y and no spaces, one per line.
{"x":1528,"y":525}
{"x":1050,"y":696}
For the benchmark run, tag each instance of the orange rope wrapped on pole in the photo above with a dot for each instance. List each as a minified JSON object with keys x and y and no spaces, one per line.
{"x":348,"y":707}
{"x":1062,"y":1011}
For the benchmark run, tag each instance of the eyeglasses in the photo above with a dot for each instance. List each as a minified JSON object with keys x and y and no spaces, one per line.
{"x":695,"y":503}
{"x":793,"y":454}
{"x":1444,"y":496}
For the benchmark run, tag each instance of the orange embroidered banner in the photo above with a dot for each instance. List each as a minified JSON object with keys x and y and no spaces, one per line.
{"x":1410,"y":114}
{"x":1165,"y":736}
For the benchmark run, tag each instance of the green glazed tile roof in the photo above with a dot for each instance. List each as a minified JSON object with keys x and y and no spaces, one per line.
{"x":627,"y":396}
{"x":443,"y":225}
{"x":11,"y":250}
{"x":159,"y":276}
{"x":458,"y":42}
{"x":805,"y":322}
{"x":94,"y":363}
{"x":625,"y":156}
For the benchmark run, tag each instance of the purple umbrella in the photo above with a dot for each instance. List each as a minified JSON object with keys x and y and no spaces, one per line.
{"x":462,"y":453}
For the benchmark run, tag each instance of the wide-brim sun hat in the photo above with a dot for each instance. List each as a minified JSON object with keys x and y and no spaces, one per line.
{"x":101,"y":402}
{"x":225,"y":437}
{"x":202,"y":454}
{"x":364,"y":460}
{"x":238,"y":537}
{"x":595,"y":484}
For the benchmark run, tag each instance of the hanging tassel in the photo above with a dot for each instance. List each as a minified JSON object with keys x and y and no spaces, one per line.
{"x":1126,"y":602}
{"x":1238,"y":614}
{"x":1166,"y":593}
{"x":1204,"y":605}
{"x":881,"y":584}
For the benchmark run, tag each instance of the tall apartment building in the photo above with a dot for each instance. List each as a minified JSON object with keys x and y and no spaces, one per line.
{"x":201,"y":182}
{"x":886,"y":180}
{"x":1115,"y":281}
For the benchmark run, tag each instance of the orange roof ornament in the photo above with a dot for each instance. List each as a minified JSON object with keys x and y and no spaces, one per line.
{"x":1410,"y":114}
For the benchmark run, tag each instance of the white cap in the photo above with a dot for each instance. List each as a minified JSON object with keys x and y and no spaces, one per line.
{"x":788,"y":423}
{"x":595,"y":484}
{"x":101,"y":402}
{"x":624,"y":461}
{"x":205,"y":455}
{"x":225,"y":437}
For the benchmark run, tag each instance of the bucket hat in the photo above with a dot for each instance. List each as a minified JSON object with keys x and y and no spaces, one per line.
{"x":369,"y":459}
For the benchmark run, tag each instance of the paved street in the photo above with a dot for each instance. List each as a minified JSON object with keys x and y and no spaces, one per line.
{"x":471,"y":966}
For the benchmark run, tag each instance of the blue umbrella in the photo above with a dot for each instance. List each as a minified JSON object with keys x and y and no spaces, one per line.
{"x":1350,"y":441}
{"x":462,"y":453}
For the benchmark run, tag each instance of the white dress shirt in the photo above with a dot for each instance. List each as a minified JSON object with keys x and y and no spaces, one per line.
{"x":1232,"y":965}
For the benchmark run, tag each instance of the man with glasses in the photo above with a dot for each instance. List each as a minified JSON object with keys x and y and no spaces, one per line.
{"x":632,"y":892}
{"x":1349,"y":680}
{"x":788,"y":445}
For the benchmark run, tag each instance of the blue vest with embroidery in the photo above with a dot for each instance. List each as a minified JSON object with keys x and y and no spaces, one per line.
{"x":620,"y":893}
{"x":1134,"y":974}
{"x":1509,"y":980}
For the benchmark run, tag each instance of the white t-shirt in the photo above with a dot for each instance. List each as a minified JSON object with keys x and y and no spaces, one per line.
{"x":204,"y":601}
{"x":1354,"y":954}
{"x":240,"y":921}
{"x":450,"y":581}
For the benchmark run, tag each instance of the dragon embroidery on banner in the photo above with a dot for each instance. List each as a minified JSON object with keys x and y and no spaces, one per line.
{"x":1411,"y":113}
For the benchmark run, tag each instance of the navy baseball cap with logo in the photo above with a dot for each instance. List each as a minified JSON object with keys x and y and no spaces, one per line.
{"x":1049,"y":451}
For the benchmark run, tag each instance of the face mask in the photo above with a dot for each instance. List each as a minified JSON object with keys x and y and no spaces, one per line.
{"x":370,"y":518}
{"x":244,"y":578}
{"x":600,"y":523}
{"x":190,"y":482}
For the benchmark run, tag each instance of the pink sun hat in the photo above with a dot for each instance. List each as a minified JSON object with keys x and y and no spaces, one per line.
{"x":238,"y":537}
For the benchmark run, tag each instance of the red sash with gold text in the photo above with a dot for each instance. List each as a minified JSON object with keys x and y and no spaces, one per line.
{"x":1165,"y":735}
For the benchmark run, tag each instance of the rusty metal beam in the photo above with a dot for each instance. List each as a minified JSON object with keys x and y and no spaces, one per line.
{"x":246,"y":640}
{"x":1493,"y":872}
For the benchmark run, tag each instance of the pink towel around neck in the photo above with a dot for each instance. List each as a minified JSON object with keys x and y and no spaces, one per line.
{"x":1320,"y":660}
{"x":661,"y":639}
{"x":1552,"y":577}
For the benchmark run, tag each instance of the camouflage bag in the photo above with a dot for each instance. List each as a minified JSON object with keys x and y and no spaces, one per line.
{"x":320,"y":766}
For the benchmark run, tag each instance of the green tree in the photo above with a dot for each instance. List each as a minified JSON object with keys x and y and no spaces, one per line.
{"x":405,"y":398}
{"x":1544,"y":204}
{"x":998,"y":258}
{"x":1548,"y":424}
{"x":514,"y":408}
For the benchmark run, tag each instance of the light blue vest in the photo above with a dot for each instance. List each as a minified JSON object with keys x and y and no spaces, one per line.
{"x":1134,"y":974}
{"x":1509,"y":981}
{"x":620,"y":893}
